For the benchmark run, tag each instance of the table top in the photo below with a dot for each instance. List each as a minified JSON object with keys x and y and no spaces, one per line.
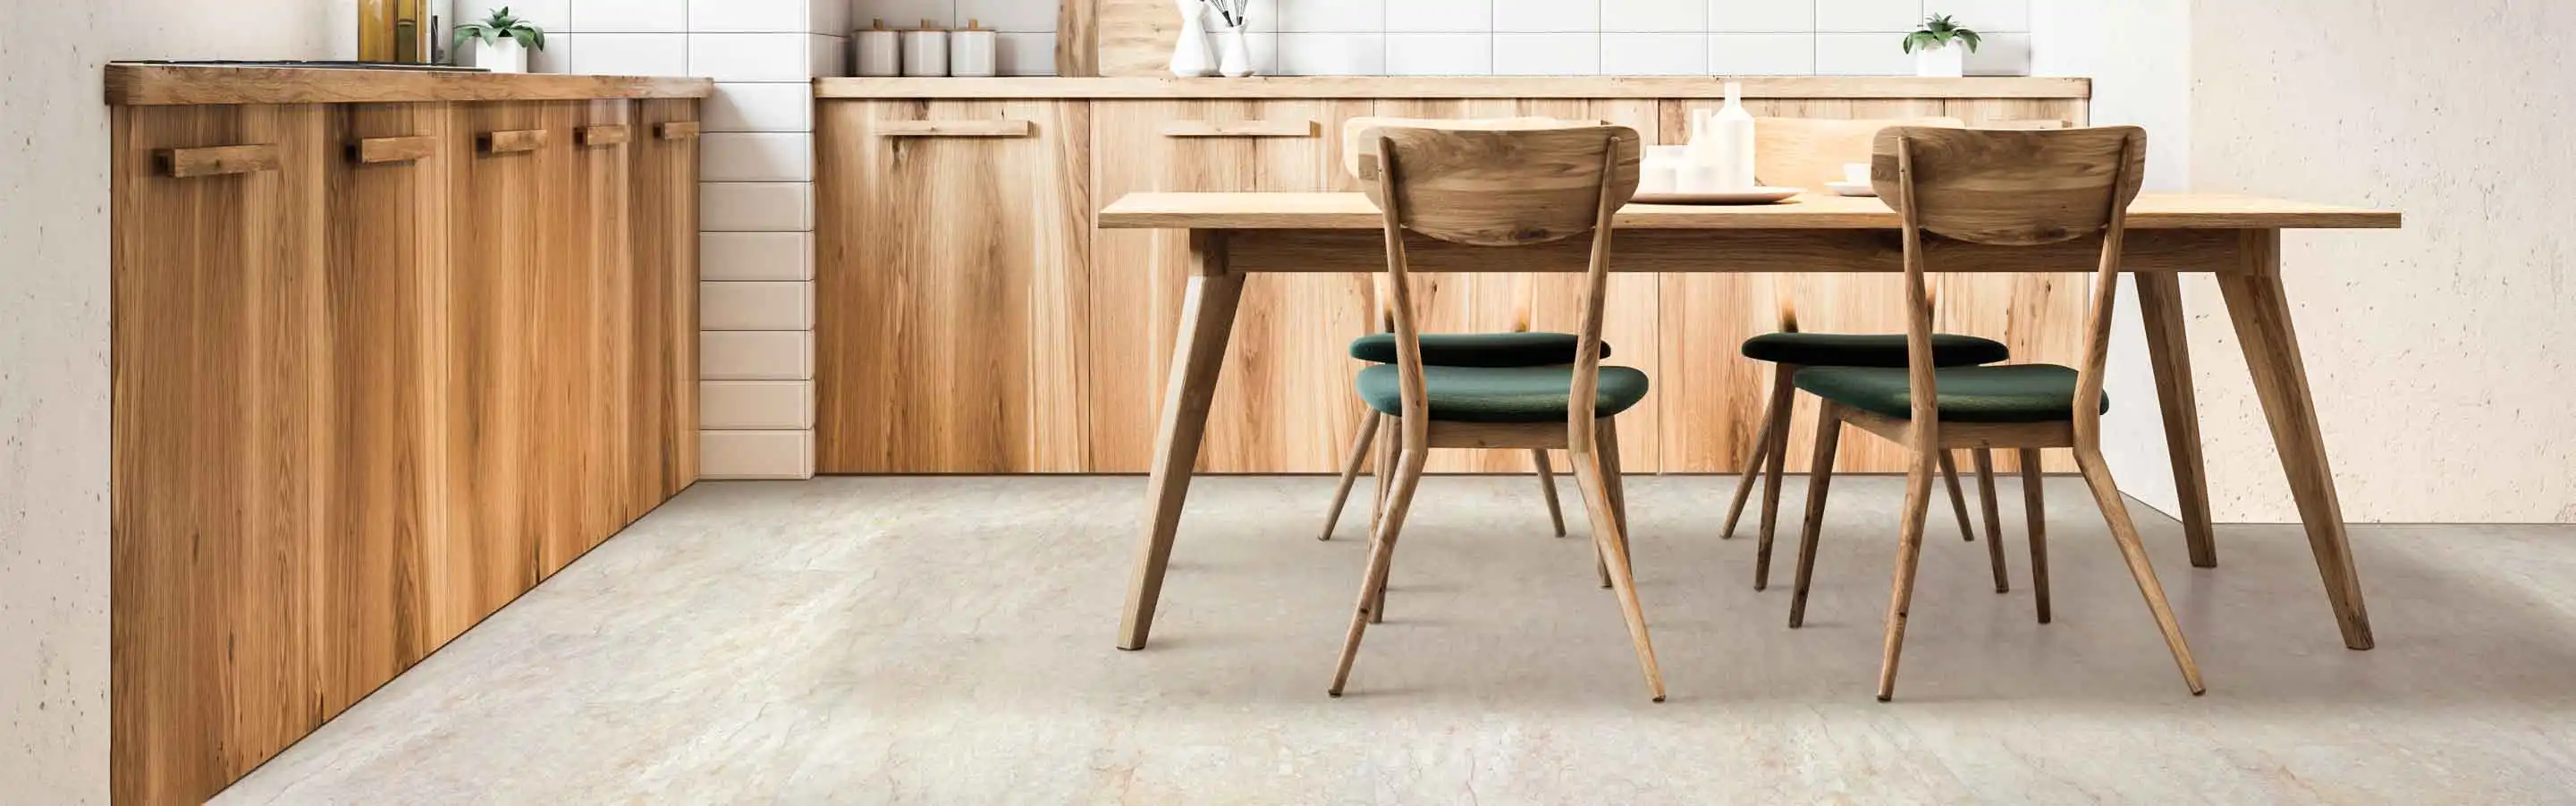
{"x":1810,"y":211}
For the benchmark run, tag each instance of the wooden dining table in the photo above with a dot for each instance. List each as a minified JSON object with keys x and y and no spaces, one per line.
{"x":2235,"y":239}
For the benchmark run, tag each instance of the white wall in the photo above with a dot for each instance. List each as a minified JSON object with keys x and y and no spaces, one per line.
{"x":1550,"y":37}
{"x":54,"y":351}
{"x":2442,"y":355}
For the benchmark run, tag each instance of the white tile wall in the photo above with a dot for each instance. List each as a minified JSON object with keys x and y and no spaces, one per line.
{"x":1582,"y":37}
{"x":756,"y":405}
{"x":755,"y":306}
{"x":756,"y":355}
{"x":756,"y":157}
{"x":756,"y":454}
{"x":749,"y":107}
{"x":778,"y":256}
{"x":647,"y":54}
{"x":670,"y":16}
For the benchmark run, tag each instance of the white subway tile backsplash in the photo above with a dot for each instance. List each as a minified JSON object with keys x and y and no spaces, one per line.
{"x":1985,"y":16}
{"x":1439,"y":54}
{"x":755,"y":306}
{"x":630,"y":16}
{"x":905,"y":14}
{"x":751,"y":57}
{"x":756,"y":157}
{"x":827,"y":55}
{"x":1314,"y":54}
{"x":1654,"y":15}
{"x":748,"y":107}
{"x":627,"y":54}
{"x":2001,"y":54}
{"x":1880,"y":54}
{"x":1642,"y":54}
{"x":782,"y":256}
{"x":755,"y":207}
{"x":555,"y":16}
{"x":1548,"y":16}
{"x":1762,"y":16}
{"x":1012,"y":16}
{"x":756,"y":355}
{"x":1868,"y":15}
{"x":1332,"y":16}
{"x":828,"y":17}
{"x":1439,"y":16}
{"x":1026,"y":54}
{"x":756,"y":405}
{"x":1761,"y":54}
{"x":756,"y":454}
{"x":750,"y":16}
{"x":1577,"y":54}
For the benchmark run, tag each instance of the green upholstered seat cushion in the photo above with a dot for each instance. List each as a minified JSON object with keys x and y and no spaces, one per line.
{"x":1869,"y":349}
{"x":2017,"y":393}
{"x":1501,"y":394}
{"x":1478,"y":349}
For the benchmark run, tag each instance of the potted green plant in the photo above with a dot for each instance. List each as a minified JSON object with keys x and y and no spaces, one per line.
{"x":500,"y":42}
{"x":1941,"y":47}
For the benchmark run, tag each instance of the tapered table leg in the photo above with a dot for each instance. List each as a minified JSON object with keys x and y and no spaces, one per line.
{"x":2261,"y":312}
{"x":2169,"y":351}
{"x":1207,"y":320}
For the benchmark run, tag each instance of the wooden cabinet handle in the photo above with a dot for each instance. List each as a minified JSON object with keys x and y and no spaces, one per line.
{"x":1239,"y":128}
{"x":512,"y":141}
{"x":378,"y":150}
{"x":953,"y":128}
{"x":605,"y":135}
{"x":676,"y":130}
{"x":216,"y":160}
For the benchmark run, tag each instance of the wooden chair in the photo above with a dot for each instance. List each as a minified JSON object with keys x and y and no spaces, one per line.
{"x":1809,"y":152}
{"x":1503,"y":189}
{"x":2000,"y":189}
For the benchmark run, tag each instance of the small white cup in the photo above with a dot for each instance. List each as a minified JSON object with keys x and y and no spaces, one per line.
{"x":1856,"y":173}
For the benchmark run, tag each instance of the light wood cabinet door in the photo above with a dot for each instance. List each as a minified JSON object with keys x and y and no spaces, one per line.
{"x":952,"y":286}
{"x":1283,"y":403}
{"x":663,"y":432}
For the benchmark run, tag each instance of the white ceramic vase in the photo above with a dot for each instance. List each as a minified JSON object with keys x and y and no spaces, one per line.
{"x":503,"y":56}
{"x":1190,"y":55}
{"x":1947,"y":61}
{"x":1237,"y":59}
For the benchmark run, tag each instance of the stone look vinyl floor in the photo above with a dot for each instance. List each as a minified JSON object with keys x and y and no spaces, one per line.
{"x":948,"y":640}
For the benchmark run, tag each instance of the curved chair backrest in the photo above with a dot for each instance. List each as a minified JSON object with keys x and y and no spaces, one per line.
{"x":1501,"y":188}
{"x":2010,"y":188}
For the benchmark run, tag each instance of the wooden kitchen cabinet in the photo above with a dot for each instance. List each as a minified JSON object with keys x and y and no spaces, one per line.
{"x":952,"y":286}
{"x":1284,"y":404}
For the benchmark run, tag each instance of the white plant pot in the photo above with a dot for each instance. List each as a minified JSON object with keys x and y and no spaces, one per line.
{"x":1948,"y":61}
{"x":505,"y":56}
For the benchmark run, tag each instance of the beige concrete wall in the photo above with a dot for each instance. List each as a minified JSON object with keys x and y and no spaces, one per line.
{"x":54,"y":346}
{"x":2442,"y":355}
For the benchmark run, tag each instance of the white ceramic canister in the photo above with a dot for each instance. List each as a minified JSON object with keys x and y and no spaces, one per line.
{"x":877,"y":52}
{"x":972,"y":51}
{"x":925,"y":51}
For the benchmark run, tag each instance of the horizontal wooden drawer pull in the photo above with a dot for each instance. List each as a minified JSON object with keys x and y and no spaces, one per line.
{"x":1239,"y":128}
{"x":216,"y":160}
{"x":953,"y":128}
{"x":607,"y":135}
{"x":505,"y":142}
{"x":676,"y":130}
{"x":375,"y":150}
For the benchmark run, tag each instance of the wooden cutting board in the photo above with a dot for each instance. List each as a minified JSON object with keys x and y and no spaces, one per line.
{"x":1135,"y":36}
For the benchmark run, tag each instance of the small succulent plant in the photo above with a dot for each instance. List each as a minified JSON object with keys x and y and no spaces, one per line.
{"x":1939,"y":31}
{"x":502,"y":23}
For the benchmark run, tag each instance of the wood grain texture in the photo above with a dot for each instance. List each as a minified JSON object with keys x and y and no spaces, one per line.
{"x":955,"y":272}
{"x":1003,"y":127}
{"x":1283,"y":404}
{"x":215,"y":160}
{"x":357,"y":408}
{"x":1131,"y":38}
{"x":676,"y":130}
{"x":1347,"y":211}
{"x":176,"y":85}
{"x":602,"y":135}
{"x":377,"y":150}
{"x":1241,"y":128}
{"x":1126,"y":76}
{"x":511,"y":141}
{"x":1077,"y":38}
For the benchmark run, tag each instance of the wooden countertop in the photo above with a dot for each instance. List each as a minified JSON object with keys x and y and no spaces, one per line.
{"x":1812,"y":211}
{"x":1454,"y":87}
{"x":181,"y":85}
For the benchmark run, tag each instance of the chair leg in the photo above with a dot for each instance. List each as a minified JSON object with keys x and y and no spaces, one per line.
{"x":1547,"y":490}
{"x":1388,"y":457}
{"x":1958,"y":501}
{"x":1820,"y":479}
{"x":1381,"y":555}
{"x":1909,"y":553}
{"x":1610,"y":543}
{"x":1773,"y":460}
{"x":1608,"y":435}
{"x":1985,"y":460}
{"x":2035,"y":510}
{"x":2116,"y":512}
{"x":1752,"y":470}
{"x":1351,"y":473}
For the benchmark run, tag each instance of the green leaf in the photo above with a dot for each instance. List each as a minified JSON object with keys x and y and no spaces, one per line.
{"x":1970,"y":37}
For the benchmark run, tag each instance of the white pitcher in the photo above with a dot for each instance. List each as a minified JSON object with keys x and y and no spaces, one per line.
{"x":1190,"y":55}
